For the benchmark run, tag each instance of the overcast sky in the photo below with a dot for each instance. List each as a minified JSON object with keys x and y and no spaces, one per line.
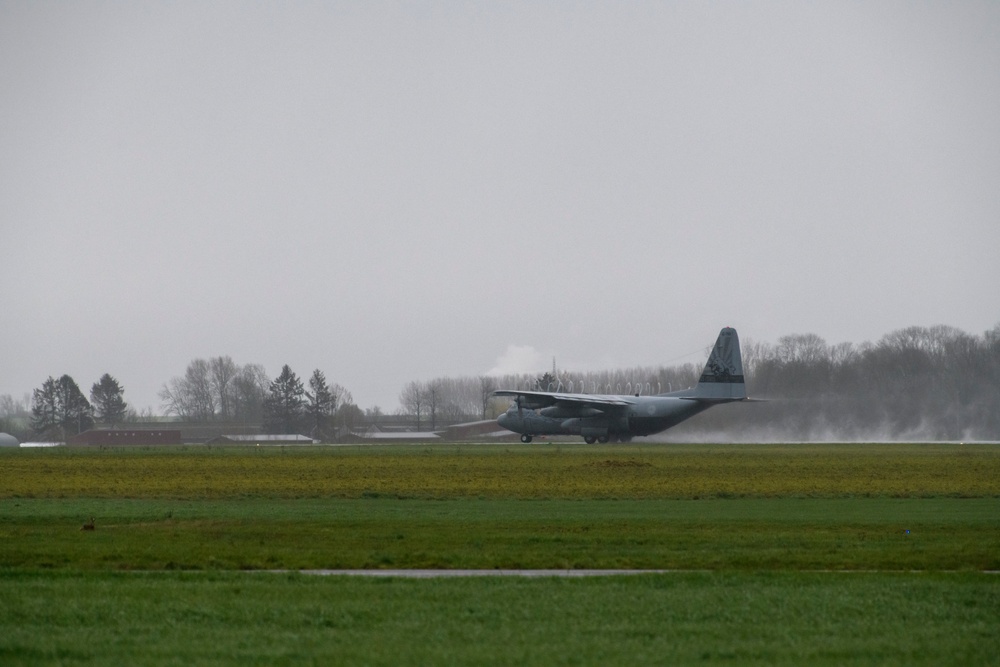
{"x":401,"y":191}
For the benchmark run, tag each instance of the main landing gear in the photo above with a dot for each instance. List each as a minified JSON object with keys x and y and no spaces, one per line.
{"x":526,"y":438}
{"x":589,"y":439}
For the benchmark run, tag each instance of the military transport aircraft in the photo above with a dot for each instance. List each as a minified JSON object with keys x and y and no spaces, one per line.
{"x":599,"y":418}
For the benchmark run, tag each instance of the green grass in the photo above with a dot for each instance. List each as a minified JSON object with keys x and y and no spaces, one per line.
{"x":758,"y":522}
{"x":749,"y":618}
{"x":802,"y":534}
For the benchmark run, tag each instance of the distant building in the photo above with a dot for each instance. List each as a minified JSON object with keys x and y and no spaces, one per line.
{"x":122,"y":437}
{"x":7,"y":440}
{"x":263,"y":439}
{"x":193,"y":433}
{"x":374,"y":435}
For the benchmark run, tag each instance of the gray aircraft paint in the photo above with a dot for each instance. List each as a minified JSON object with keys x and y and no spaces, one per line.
{"x":599,"y":417}
{"x":723,"y":374}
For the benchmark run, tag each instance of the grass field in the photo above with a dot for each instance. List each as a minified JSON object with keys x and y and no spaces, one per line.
{"x":754,"y":533}
{"x":512,"y":472}
{"x":679,"y":619}
{"x":762,"y":524}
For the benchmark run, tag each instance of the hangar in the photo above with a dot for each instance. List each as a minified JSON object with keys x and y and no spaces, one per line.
{"x":118,"y":437}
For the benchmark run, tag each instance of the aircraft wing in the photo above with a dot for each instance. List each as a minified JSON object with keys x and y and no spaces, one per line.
{"x":703,"y":399}
{"x":542,"y":399}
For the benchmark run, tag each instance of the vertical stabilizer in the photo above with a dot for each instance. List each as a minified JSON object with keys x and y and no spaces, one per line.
{"x":722,"y":378}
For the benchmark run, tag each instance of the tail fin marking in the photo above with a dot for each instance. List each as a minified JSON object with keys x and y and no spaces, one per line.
{"x":723,"y":374}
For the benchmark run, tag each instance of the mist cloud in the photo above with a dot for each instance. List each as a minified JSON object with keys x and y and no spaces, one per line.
{"x":518,"y":359}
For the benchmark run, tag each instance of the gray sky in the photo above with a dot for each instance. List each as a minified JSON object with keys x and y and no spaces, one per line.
{"x":400,"y":191}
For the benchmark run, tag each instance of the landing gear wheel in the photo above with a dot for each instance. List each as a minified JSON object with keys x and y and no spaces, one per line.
{"x":589,"y":439}
{"x":603,"y":439}
{"x":526,"y":438}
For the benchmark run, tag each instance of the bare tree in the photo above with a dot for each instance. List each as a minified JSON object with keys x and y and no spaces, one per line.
{"x":349,"y":416}
{"x":804,"y":348}
{"x":340,"y":396}
{"x":217,"y":389}
{"x":413,"y":400}
{"x":487,"y":385}
{"x":249,"y":388}
{"x":11,"y":407}
{"x":192,"y":396}
{"x":223,"y":372}
{"x":14,"y":415}
{"x":433,"y":396}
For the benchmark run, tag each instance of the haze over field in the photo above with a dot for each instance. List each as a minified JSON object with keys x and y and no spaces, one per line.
{"x":393,"y":192}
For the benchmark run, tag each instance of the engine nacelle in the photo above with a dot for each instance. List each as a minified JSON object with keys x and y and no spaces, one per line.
{"x":586,"y":427}
{"x":567,"y":412}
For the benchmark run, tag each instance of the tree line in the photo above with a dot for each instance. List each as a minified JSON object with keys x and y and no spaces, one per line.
{"x":914,"y":383}
{"x":59,"y":408}
{"x":218,"y":389}
{"x":215,"y":389}
{"x":448,"y":400}
{"x":935,"y":383}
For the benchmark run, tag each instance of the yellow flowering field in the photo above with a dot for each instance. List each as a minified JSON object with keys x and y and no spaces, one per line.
{"x":646,"y":471}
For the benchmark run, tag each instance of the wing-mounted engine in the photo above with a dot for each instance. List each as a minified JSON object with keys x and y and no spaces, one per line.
{"x":570,"y":410}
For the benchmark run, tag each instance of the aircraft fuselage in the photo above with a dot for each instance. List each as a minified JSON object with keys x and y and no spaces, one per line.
{"x":645,"y":415}
{"x":599,"y":417}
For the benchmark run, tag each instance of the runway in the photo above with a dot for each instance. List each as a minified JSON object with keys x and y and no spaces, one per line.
{"x":434,"y":574}
{"x":450,"y":574}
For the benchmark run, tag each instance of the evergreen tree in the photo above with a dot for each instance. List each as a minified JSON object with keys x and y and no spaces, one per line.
{"x":546,"y":382}
{"x":76,"y":413}
{"x":284,"y":405}
{"x":320,"y":406}
{"x":44,"y":409}
{"x":59,"y":409}
{"x":106,"y":397}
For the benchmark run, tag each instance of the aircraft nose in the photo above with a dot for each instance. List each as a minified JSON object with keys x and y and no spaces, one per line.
{"x":502,"y":420}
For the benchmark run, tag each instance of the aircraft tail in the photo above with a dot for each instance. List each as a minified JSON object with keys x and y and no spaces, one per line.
{"x":722,"y":379}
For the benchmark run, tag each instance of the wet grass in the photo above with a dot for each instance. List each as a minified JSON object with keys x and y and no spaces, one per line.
{"x":761,"y":533}
{"x":734,"y":618}
{"x":758,"y":520}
